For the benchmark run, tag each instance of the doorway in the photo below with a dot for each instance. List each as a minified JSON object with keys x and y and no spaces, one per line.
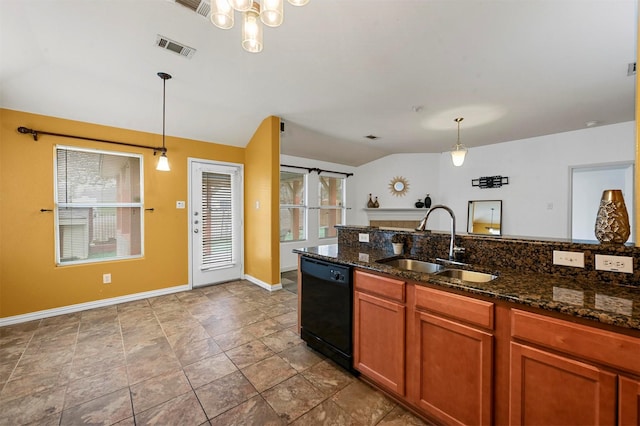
{"x":587,"y":184}
{"x":215,"y":222}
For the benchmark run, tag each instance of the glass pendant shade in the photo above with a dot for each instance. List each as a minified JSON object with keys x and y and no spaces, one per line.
{"x":163,"y":163}
{"x":252,"y":30}
{"x":459,"y":151}
{"x":221,"y":14}
{"x":241,"y":5}
{"x":272,"y":13}
{"x":457,"y":154}
{"x":298,"y":2}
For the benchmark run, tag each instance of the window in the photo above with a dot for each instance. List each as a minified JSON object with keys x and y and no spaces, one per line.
{"x":98,"y":205}
{"x":293,"y":208}
{"x":217,"y":220}
{"x":331,"y":201}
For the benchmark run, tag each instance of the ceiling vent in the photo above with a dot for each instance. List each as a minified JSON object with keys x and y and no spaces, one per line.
{"x":175,"y":47}
{"x":201,"y":7}
{"x":631,"y":69}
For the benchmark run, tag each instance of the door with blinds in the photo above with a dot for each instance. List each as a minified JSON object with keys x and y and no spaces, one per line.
{"x":215,"y":212}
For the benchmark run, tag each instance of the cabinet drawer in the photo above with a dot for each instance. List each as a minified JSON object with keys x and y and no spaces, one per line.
{"x":381,"y":286}
{"x":467,"y":309}
{"x":616,"y":350}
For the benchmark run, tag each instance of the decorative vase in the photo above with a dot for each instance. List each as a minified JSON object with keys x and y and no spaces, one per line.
{"x":376,"y":204}
{"x":427,"y":202}
{"x":612,"y":222}
{"x":419,"y":204}
{"x":370,"y":202}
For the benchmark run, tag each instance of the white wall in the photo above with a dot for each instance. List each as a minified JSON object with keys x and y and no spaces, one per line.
{"x":289,"y":260}
{"x":420,"y":170}
{"x":536,"y":200}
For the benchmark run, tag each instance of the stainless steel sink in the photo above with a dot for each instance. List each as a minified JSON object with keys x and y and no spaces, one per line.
{"x":413,"y":265}
{"x":470,"y":276}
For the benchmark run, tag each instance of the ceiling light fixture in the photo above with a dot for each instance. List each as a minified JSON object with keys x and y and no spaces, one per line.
{"x":459,"y":151}
{"x":270,"y":13}
{"x":163,"y":161}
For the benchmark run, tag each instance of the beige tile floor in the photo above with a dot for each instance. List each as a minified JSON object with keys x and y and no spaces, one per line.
{"x":221,"y":355}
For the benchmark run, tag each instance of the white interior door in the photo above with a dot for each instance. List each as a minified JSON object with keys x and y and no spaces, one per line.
{"x":215,"y":212}
{"x":587,"y":184}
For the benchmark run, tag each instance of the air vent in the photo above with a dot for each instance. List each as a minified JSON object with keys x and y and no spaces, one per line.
{"x":174,"y":46}
{"x":201,"y":7}
{"x":631,"y":69}
{"x":372,"y":137}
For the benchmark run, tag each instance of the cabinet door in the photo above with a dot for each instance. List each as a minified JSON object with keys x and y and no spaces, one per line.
{"x":548,"y":389}
{"x":379,"y":338}
{"x":455,"y":370}
{"x":628,"y":402}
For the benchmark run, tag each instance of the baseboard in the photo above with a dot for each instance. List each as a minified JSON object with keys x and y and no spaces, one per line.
{"x":31,"y":316}
{"x":266,"y":286}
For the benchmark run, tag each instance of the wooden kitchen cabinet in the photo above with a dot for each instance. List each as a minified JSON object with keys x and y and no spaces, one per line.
{"x":556,"y":373}
{"x":455,"y":368}
{"x":628,"y":401}
{"x":549,"y":389}
{"x":469,"y":361}
{"x":379,"y":330}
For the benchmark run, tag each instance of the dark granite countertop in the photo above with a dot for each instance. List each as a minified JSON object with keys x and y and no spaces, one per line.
{"x":605,"y":303}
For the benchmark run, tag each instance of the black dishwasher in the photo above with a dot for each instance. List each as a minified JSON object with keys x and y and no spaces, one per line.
{"x":327,"y":309}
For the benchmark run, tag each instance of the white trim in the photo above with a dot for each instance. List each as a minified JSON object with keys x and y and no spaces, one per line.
{"x":90,"y":305}
{"x":260,"y":283}
{"x":395,"y":214}
{"x":239,"y":167}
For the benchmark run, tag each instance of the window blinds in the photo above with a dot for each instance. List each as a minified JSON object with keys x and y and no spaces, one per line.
{"x":217,"y":223}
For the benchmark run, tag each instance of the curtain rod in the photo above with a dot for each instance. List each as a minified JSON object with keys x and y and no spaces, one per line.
{"x":35,"y":134}
{"x":315,"y":169}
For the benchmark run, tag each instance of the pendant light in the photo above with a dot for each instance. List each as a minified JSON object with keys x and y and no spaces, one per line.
{"x":252,"y":29}
{"x":221,"y":14}
{"x":241,"y":5}
{"x":163,"y":161}
{"x":272,"y":13}
{"x":459,"y":151}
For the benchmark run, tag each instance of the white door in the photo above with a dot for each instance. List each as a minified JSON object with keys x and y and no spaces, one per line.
{"x":587,"y":184}
{"x":215,"y":212}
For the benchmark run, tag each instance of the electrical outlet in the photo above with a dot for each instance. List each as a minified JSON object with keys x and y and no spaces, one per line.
{"x":614,"y":263}
{"x":106,"y":278}
{"x":568,"y":258}
{"x":363,"y":238}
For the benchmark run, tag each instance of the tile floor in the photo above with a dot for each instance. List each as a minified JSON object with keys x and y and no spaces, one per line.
{"x":220,"y":355}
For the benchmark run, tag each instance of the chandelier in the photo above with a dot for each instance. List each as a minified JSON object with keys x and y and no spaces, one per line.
{"x":270,"y":13}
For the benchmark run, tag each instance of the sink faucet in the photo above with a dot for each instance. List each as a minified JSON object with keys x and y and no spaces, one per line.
{"x":452,"y":248}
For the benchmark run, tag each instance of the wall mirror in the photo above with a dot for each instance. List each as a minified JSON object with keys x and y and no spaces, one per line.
{"x":485,"y":217}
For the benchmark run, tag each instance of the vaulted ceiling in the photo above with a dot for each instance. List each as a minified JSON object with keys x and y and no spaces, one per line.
{"x":335,"y":71}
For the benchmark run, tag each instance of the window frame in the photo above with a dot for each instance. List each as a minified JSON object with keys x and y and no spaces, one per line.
{"x":341,"y":207}
{"x":58,"y":206}
{"x":305,"y":206}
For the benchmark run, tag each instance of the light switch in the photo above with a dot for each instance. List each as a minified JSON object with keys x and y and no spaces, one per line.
{"x":180,"y":204}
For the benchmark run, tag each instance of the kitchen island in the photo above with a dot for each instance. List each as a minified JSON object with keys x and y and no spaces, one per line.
{"x":524,"y":348}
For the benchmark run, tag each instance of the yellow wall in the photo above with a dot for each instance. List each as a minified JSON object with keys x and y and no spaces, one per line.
{"x":29,"y":278}
{"x":261,"y":226}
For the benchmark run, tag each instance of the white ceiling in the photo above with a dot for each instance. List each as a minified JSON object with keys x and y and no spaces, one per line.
{"x":335,"y":71}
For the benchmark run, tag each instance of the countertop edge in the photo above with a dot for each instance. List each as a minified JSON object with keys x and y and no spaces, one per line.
{"x":530,"y":300}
